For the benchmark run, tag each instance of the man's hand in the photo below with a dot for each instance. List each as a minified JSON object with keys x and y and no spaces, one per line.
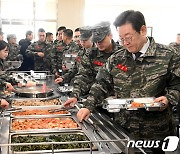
{"x":83,"y":114}
{"x":58,"y":80}
{"x":9,"y":86}
{"x":40,"y":54}
{"x":162,"y":99}
{"x":4,"y":103}
{"x":57,"y":75}
{"x":70,"y":102}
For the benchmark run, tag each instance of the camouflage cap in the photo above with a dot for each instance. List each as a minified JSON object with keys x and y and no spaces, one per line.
{"x":85,"y":33}
{"x":100,"y":31}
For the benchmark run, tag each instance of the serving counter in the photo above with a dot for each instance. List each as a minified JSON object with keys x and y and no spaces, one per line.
{"x":34,"y":129}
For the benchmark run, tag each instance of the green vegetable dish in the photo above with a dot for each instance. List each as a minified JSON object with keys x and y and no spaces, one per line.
{"x":51,"y":138}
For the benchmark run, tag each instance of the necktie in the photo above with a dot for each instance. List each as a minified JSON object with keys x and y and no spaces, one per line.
{"x":137,"y":55}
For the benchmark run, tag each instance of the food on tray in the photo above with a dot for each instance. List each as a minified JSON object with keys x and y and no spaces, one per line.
{"x":64,"y":137}
{"x":43,"y":123}
{"x":37,"y":112}
{"x":136,"y":104}
{"x":6,"y":93}
{"x":36,"y":102}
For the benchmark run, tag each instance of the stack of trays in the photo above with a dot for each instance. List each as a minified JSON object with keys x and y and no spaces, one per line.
{"x":36,"y":123}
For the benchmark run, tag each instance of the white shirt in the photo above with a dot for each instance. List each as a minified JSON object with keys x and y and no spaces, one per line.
{"x":144,"y":49}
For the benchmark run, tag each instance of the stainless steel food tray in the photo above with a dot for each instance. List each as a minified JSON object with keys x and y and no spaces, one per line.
{"x":34,"y":92}
{"x":147,"y":103}
{"x":65,"y":89}
{"x":34,"y":100}
{"x":93,"y":146}
{"x":39,"y":108}
{"x":44,"y":130}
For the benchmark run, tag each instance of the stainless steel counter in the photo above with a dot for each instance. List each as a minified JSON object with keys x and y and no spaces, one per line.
{"x":108,"y":137}
{"x":103,"y":147}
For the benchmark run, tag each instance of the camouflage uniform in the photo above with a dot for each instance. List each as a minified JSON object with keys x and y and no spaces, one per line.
{"x":85,"y":34}
{"x":77,"y":66}
{"x":92,"y":61}
{"x":155,"y":74}
{"x":90,"y":64}
{"x":175,"y":45}
{"x":47,"y":60}
{"x":14,"y":53}
{"x":40,"y":63}
{"x":58,"y":53}
{"x":5,"y":76}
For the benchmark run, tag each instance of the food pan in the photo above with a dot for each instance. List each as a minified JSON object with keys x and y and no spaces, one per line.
{"x":36,"y":102}
{"x":43,"y":124}
{"x":69,"y":136}
{"x":39,"y":111}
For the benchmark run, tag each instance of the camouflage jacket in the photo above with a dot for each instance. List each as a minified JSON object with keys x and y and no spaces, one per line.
{"x":14,"y":53}
{"x":5,"y":76}
{"x":77,"y":66}
{"x":58,"y":53}
{"x":155,"y":74}
{"x":175,"y":45}
{"x":90,"y":64}
{"x":40,"y":63}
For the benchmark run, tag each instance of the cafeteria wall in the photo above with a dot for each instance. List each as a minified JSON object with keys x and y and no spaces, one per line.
{"x":162,"y":15}
{"x":71,"y":13}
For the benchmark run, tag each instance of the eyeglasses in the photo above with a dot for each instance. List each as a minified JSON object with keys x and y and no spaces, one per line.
{"x":126,"y":39}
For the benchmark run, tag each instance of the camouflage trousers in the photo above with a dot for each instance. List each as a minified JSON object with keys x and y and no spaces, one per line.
{"x":142,"y":124}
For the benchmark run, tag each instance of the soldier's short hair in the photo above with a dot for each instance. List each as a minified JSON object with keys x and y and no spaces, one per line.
{"x":178,"y":34}
{"x":77,"y":29}
{"x":29,"y":32}
{"x":41,"y":30}
{"x":61,"y":28}
{"x":3,"y":44}
{"x":49,"y":34}
{"x":68,"y":33}
{"x":136,"y":18}
{"x":10,"y":36}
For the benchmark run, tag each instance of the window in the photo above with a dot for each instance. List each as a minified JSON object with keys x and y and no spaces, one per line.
{"x":18,"y":16}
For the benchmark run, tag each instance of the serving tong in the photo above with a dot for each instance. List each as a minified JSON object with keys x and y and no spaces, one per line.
{"x":15,"y":109}
{"x":60,"y":108}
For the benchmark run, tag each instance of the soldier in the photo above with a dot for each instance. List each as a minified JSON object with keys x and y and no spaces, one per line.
{"x":93,"y":60}
{"x":77,"y":37}
{"x":6,"y":81}
{"x":1,"y":36}
{"x":3,"y":84}
{"x":177,"y":43}
{"x":59,"y":33}
{"x":40,"y":52}
{"x":14,"y":49}
{"x":28,"y":62}
{"x":66,"y":46}
{"x":85,"y":39}
{"x":155,"y":72}
{"x":49,"y":37}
